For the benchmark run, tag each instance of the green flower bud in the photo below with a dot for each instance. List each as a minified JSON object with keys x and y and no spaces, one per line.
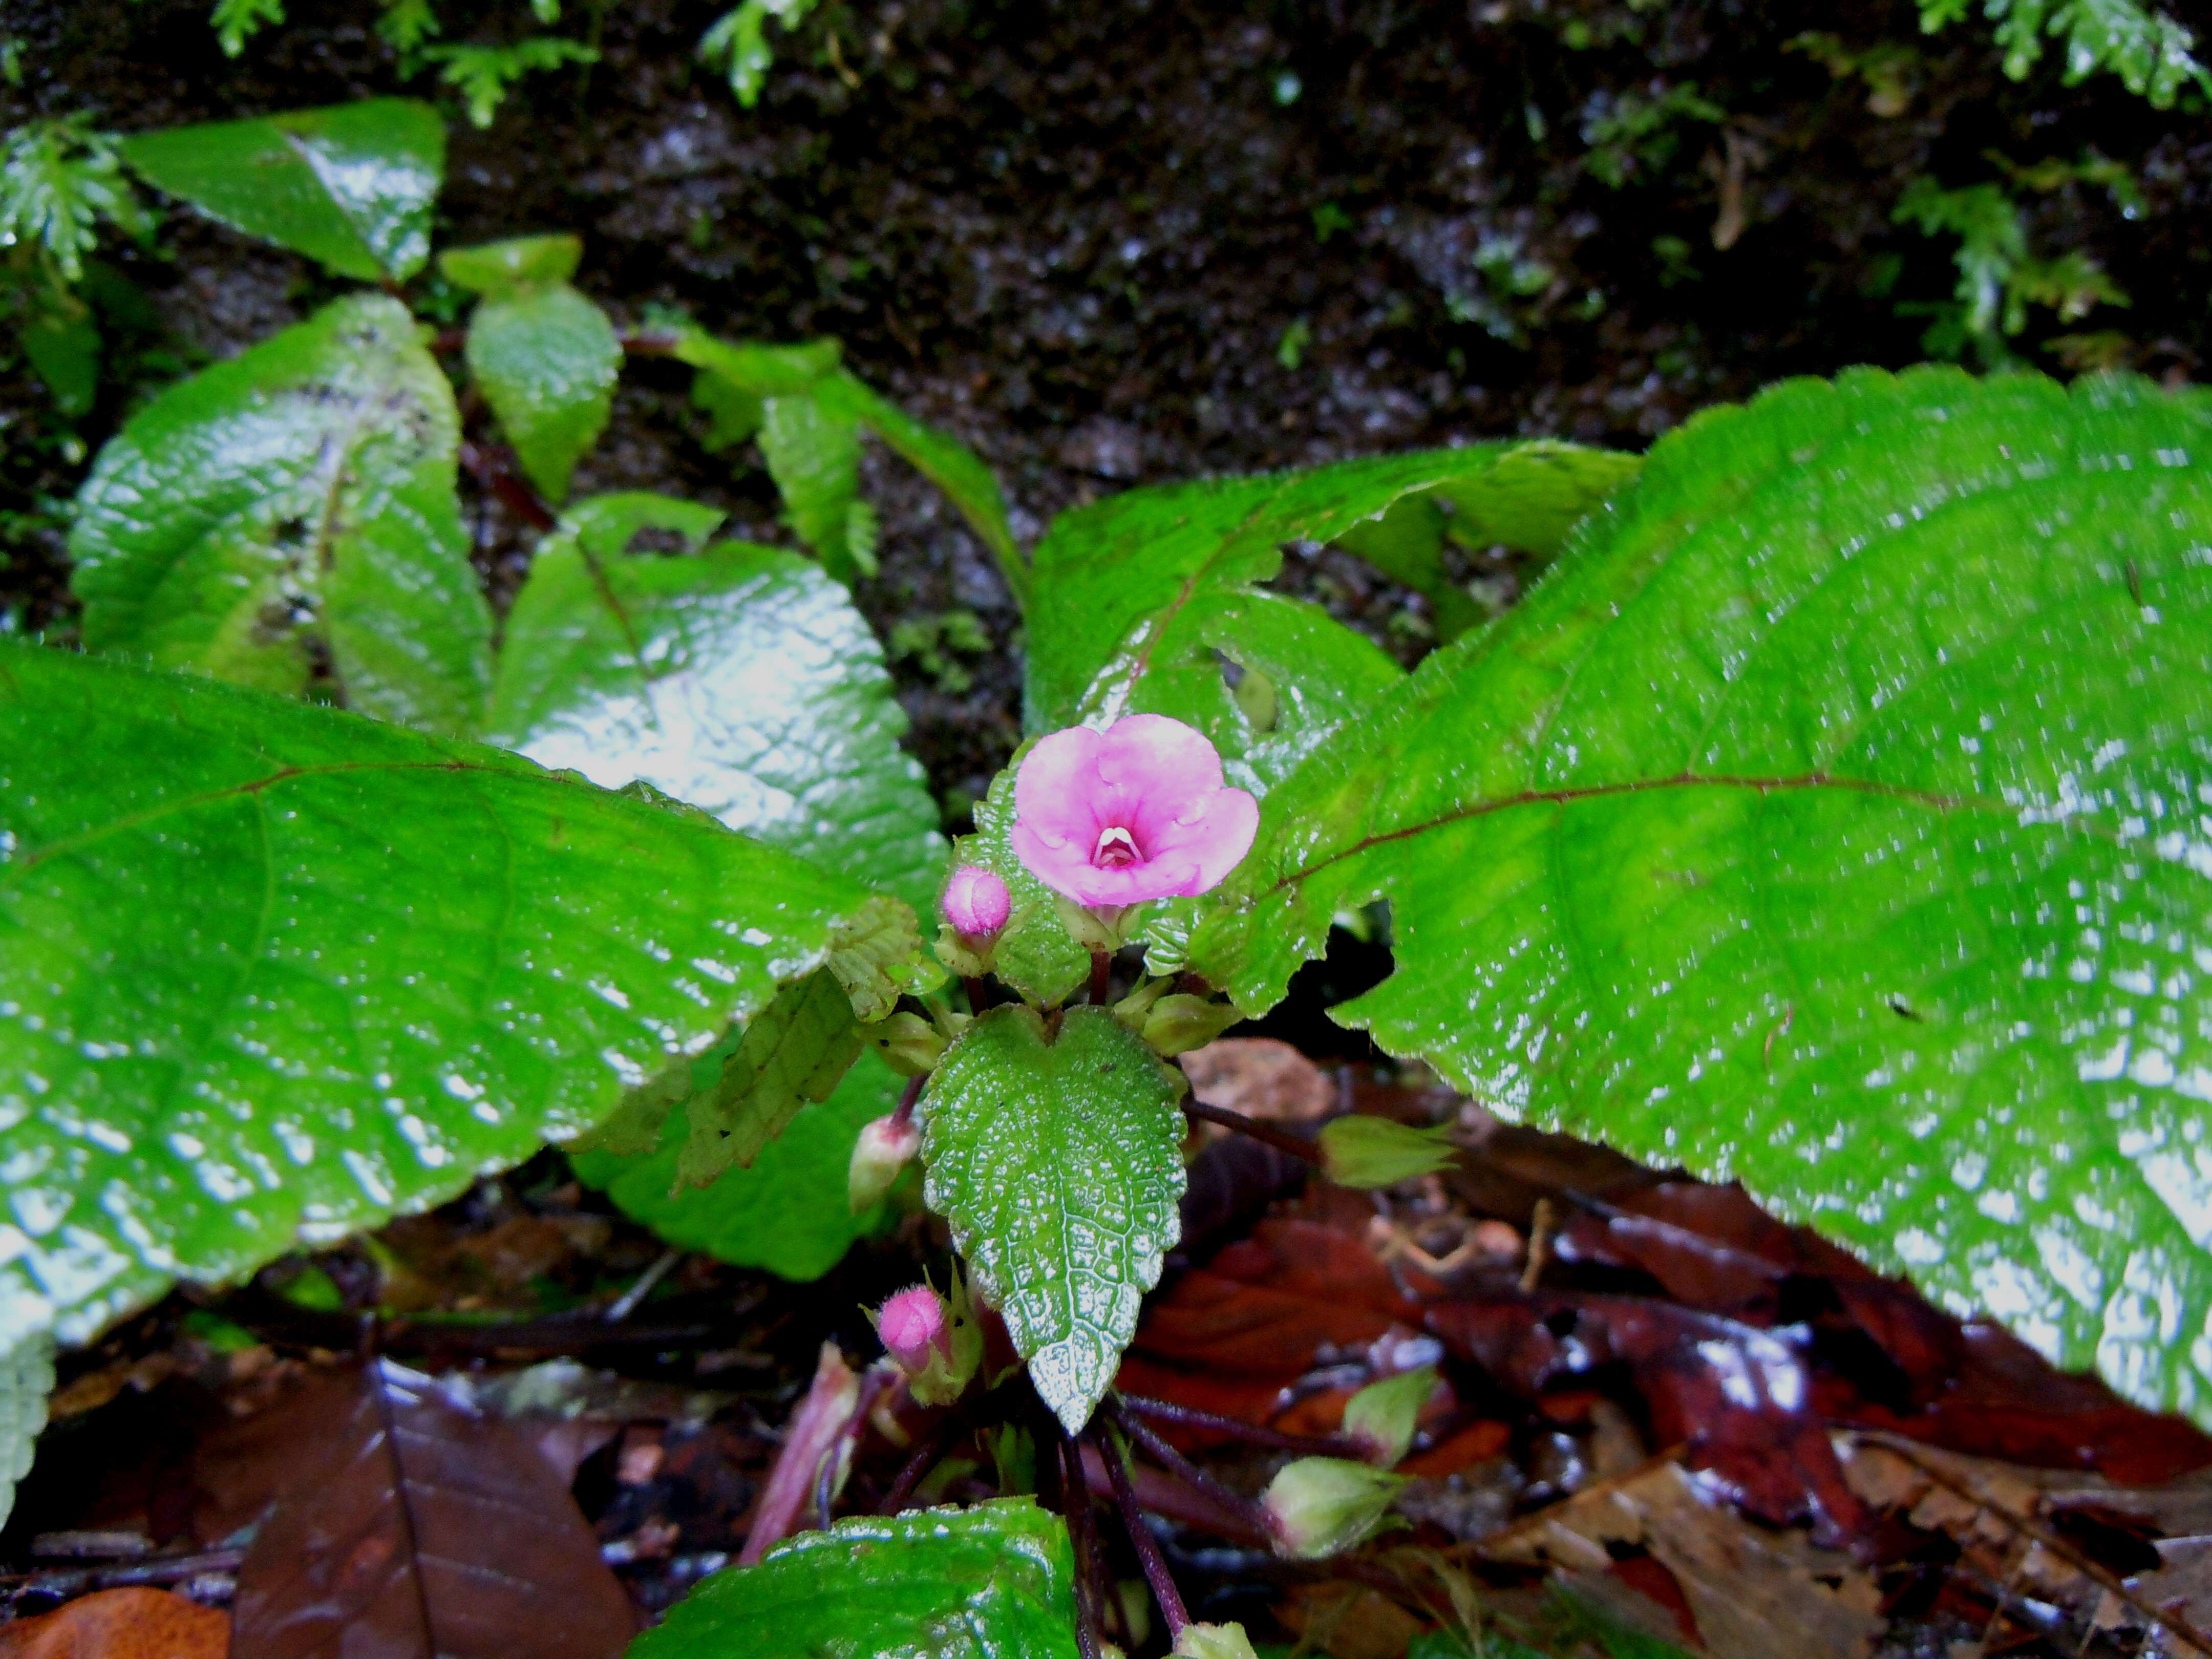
{"x":1324,"y":1506}
{"x":971,"y":958}
{"x":1382,"y":1415}
{"x":1373,"y":1152}
{"x":909,"y":1044}
{"x":1178,"y":1024}
{"x":1213,"y":1642}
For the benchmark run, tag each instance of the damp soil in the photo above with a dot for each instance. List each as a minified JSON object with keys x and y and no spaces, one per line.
{"x":1119,"y":244}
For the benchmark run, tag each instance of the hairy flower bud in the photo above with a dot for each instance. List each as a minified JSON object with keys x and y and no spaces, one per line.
{"x":975,"y":901}
{"x":1373,"y":1152}
{"x":1381,"y":1416}
{"x":885,"y":1147}
{"x":934,"y":1340}
{"x":1324,"y":1506}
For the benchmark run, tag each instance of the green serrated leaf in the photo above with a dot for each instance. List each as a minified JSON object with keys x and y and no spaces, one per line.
{"x":1057,"y":1160}
{"x":747,"y":1088}
{"x":990,"y":1582}
{"x":1146,"y":599}
{"x":813,"y":453}
{"x":877,"y":957}
{"x":1034,"y":953}
{"x":787,"y":1212}
{"x":2151,"y":52}
{"x":483,"y":75}
{"x":272,"y":972}
{"x":294,"y":503}
{"x":547,"y":359}
{"x":27,"y":1377}
{"x":1832,"y":818}
{"x":350,"y":186}
{"x":738,"y":678}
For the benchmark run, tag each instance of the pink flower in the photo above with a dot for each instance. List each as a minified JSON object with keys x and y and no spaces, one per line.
{"x":975,"y":901}
{"x":912,"y":1326}
{"x":1137,"y":811}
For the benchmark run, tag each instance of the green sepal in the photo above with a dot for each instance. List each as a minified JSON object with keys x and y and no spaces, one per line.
{"x":1364,"y":1152}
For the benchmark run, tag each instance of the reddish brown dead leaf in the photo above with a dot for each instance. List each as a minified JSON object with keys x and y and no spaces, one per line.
{"x":121,"y":1624}
{"x":416,"y":1527}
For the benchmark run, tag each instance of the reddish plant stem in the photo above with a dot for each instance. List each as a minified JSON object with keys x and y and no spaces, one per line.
{"x":1140,"y":1536}
{"x":1102,"y":977}
{"x":1075,"y":1504}
{"x":1161,"y":1450}
{"x":1252,"y":1434}
{"x":1266,"y":1133}
{"x":837,"y":1458}
{"x":979,"y":997}
{"x":902,"y":1114}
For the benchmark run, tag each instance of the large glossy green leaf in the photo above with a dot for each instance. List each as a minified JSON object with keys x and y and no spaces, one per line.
{"x":738,"y":678}
{"x":350,"y":186}
{"x":992,"y":1582}
{"x":27,"y":1377}
{"x":546,"y":357}
{"x":1057,"y":1159}
{"x":1834,"y":818}
{"x":1148,"y":601}
{"x":292,"y":510}
{"x":787,"y":1212}
{"x":270,"y":971}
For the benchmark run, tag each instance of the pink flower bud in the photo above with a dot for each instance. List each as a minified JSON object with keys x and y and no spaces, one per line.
{"x":1135,"y":813}
{"x":885,"y":1147}
{"x":975,"y":901}
{"x":912,"y":1326}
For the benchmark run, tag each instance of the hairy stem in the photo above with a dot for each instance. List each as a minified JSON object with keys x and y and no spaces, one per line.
{"x":1252,"y":1434}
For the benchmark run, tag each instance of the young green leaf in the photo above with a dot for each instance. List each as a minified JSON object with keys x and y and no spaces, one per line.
{"x":813,"y":453}
{"x":737,"y":1097}
{"x":272,"y":971}
{"x":738,"y":41}
{"x":27,"y":1377}
{"x":483,"y":75}
{"x":546,"y":357}
{"x":58,"y":181}
{"x":788,"y":1212}
{"x":992,"y":1581}
{"x":1831,"y":818}
{"x":1057,"y":1159}
{"x":350,"y":186}
{"x":1142,"y":597}
{"x":738,"y":678}
{"x":291,"y":508}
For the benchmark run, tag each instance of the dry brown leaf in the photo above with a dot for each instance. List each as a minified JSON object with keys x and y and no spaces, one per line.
{"x":414,"y":1526}
{"x":1754,"y":1592}
{"x":1349,"y":1621}
{"x":1260,"y":1078}
{"x":2040,"y":1531}
{"x":121,"y":1624}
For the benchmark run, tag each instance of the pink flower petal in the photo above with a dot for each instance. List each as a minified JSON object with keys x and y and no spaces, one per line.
{"x":1215,"y":839}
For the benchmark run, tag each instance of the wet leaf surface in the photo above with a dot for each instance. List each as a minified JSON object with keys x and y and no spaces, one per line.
{"x":405,"y":960}
{"x":737,"y":678}
{"x":1890,"y":888}
{"x":350,"y":186}
{"x":547,"y":359}
{"x":938,"y":1584}
{"x":416,"y":1527}
{"x":288,"y":519}
{"x":1056,"y":1159}
{"x":26,"y":1376}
